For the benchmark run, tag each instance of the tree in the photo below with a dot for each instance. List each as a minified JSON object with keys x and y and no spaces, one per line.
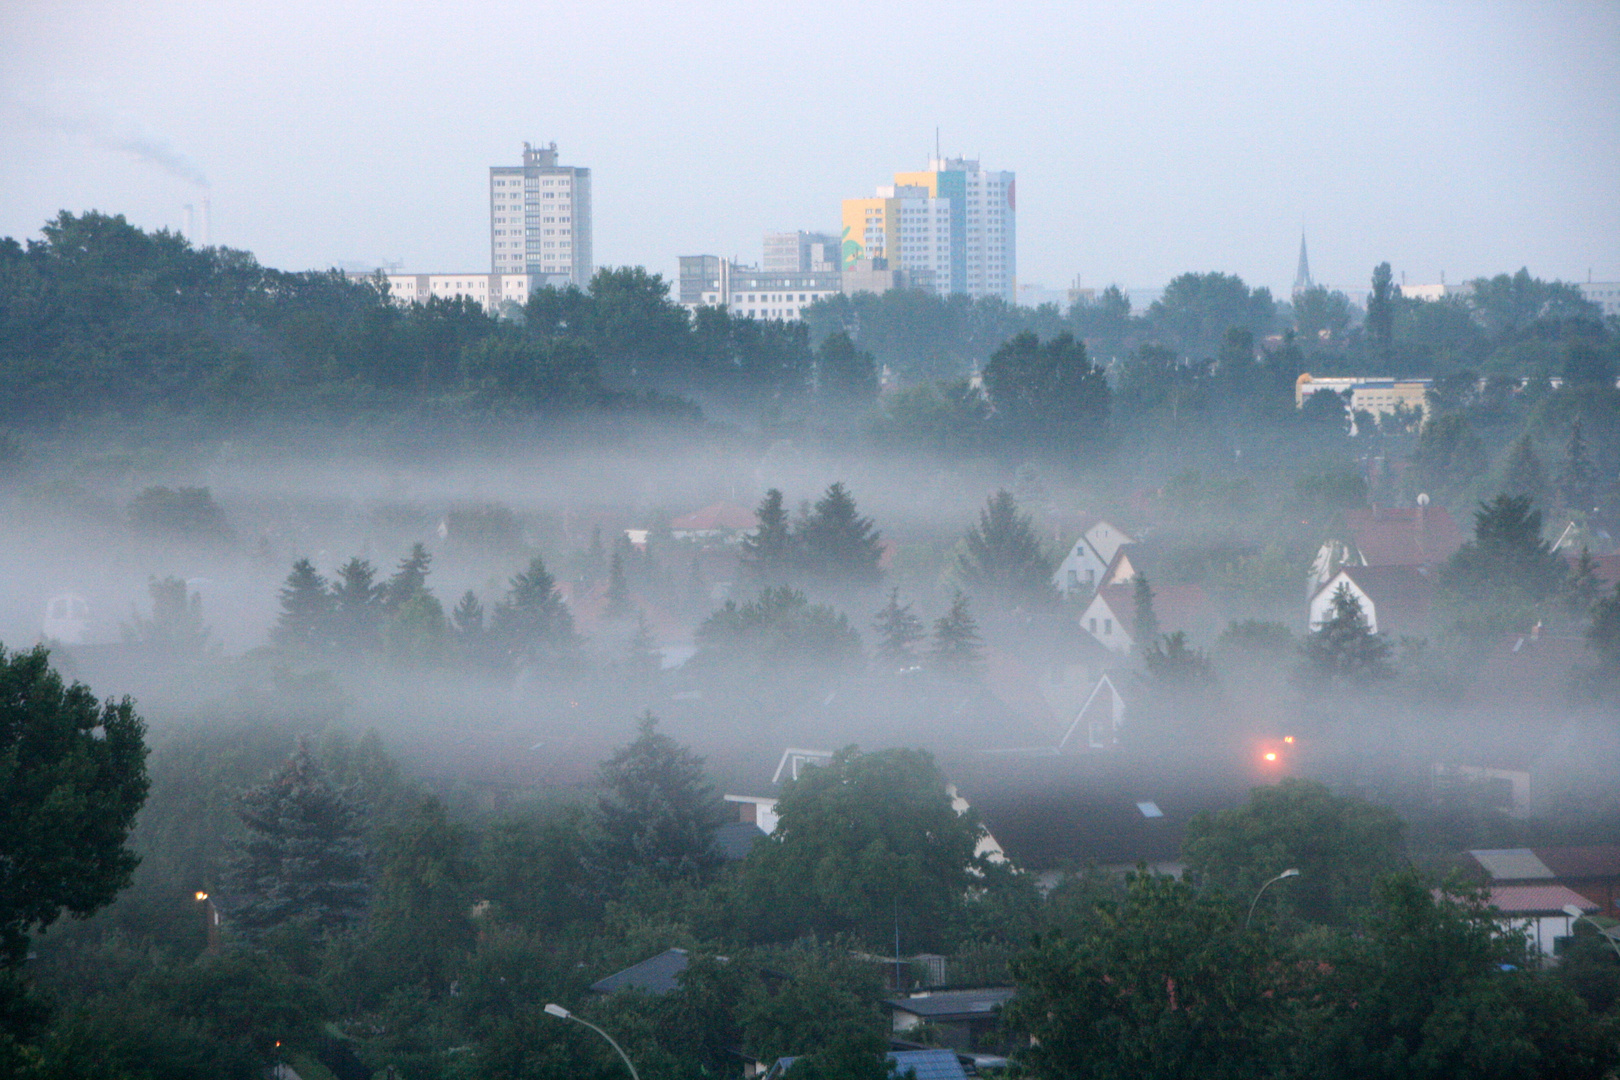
{"x":862,"y":844}
{"x":357,"y":605}
{"x":839,"y":545}
{"x":618,"y":590}
{"x":1577,"y":479}
{"x":845,"y":375}
{"x":1320,"y":313}
{"x":408,"y":580}
{"x":305,"y":622}
{"x":1001,"y":560}
{"x":1523,"y":475}
{"x":657,"y":814}
{"x":768,"y":551}
{"x":176,"y":627}
{"x":1344,"y":648}
{"x":1050,"y":395}
{"x":419,"y":927}
{"x":1196,"y":310}
{"x":1603,"y":638}
{"x":72,"y":778}
{"x":186,"y":513}
{"x":780,"y":628}
{"x":1165,"y":983}
{"x":1147,"y":620}
{"x":532,"y":623}
{"x":303,"y":862}
{"x":1497,"y":581}
{"x":1449,"y":456}
{"x":899,"y":630}
{"x":956,"y":645}
{"x":1171,"y":663}
{"x":1339,"y":845}
{"x":1381,"y":313}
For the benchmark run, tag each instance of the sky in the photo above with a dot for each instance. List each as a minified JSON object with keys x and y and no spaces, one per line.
{"x":1149,"y":139}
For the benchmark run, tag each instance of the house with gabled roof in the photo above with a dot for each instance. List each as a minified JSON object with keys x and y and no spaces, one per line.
{"x":1111,"y":615}
{"x":721,"y":521}
{"x":1396,"y":600}
{"x":1082,"y":568}
{"x":655,"y":975}
{"x":1421,"y":535}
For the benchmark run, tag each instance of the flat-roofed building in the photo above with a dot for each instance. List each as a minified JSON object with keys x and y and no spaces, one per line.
{"x":489,"y":291}
{"x":753,"y":292}
{"x":540,"y":219}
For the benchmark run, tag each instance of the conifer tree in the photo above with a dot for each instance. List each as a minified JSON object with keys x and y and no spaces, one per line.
{"x":618,"y":590}
{"x":305,"y":621}
{"x":840,"y":546}
{"x":357,"y":604}
{"x":532,"y":622}
{"x":1523,"y":474}
{"x":1147,"y":620}
{"x":768,"y":550}
{"x":899,"y":630}
{"x":657,"y":814}
{"x":1344,"y":647}
{"x":956,"y":645}
{"x":468,"y":617}
{"x":409,"y":579}
{"x":1578,"y":479}
{"x":1001,"y":558}
{"x":1584,"y":586}
{"x":644,"y":659}
{"x":303,"y":860}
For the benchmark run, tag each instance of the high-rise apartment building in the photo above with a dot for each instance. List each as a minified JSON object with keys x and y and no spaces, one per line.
{"x":801,"y":252}
{"x":540,"y":219}
{"x":952,"y":229}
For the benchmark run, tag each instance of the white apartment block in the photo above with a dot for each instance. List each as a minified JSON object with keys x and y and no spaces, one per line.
{"x":488,"y":291}
{"x":752,"y":292}
{"x":1605,"y":294}
{"x":540,"y":219}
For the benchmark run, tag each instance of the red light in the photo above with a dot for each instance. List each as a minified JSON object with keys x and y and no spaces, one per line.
{"x":1271,"y":757}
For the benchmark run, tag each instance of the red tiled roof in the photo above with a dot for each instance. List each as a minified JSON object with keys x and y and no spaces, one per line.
{"x":1402,"y":596}
{"x":1537,"y":899}
{"x":1607,"y":569}
{"x":1597,"y":860}
{"x":721,"y":517}
{"x":1405,"y":536}
{"x":1177,"y":607}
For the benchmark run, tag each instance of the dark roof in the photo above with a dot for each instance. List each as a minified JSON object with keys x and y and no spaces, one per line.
{"x":736,"y":840}
{"x":1404,"y":536}
{"x":656,"y":975}
{"x":923,"y":1064}
{"x":954,"y":1004}
{"x":1402,"y":596}
{"x":1177,"y":607}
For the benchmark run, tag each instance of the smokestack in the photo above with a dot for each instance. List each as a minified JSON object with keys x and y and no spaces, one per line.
{"x":191,"y":222}
{"x":208,"y":222}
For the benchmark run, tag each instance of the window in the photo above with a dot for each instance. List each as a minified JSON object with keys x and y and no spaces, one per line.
{"x":1093,"y":626}
{"x":1108,"y":626}
{"x":1074,"y":579}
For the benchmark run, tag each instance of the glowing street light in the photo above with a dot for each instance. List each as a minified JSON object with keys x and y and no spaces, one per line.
{"x":1576,"y":914}
{"x":210,"y":921}
{"x":1280,"y":877}
{"x":561,"y":1013}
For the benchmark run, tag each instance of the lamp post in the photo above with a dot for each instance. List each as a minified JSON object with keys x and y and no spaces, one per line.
{"x":210,"y":921}
{"x":1253,"y":903}
{"x":1576,"y":915}
{"x":563,"y":1014}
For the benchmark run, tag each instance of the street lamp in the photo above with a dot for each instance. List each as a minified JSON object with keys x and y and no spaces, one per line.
{"x":1576,"y":914}
{"x":210,"y":921}
{"x":563,"y":1014}
{"x":1285,"y":874}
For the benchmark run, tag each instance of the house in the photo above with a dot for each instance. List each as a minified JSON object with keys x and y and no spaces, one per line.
{"x":1128,"y":562}
{"x":965,"y":1020}
{"x":1421,"y":535}
{"x":725,"y":522}
{"x":1111,"y":615}
{"x":655,"y":975}
{"x":1537,"y":911}
{"x":1082,"y":568}
{"x":735,"y":840}
{"x":1395,"y":599}
{"x":1592,"y":871}
{"x":920,"y":1064}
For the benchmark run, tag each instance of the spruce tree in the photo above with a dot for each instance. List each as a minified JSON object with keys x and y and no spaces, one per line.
{"x":1344,"y":648}
{"x":956,"y":645}
{"x":305,"y":621}
{"x":1496,"y":582}
{"x":532,"y":622}
{"x":840,"y":546}
{"x":643,"y":658}
{"x":618,"y":590}
{"x":1001,"y":558}
{"x":1523,"y":475}
{"x":1147,"y":620}
{"x":468,"y":617}
{"x":657,"y":814}
{"x":303,"y":860}
{"x":357,"y":605}
{"x":1578,"y":482}
{"x":899,"y":630}
{"x":768,"y":550}
{"x":408,"y":580}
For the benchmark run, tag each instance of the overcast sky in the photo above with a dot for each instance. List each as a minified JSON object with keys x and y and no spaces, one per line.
{"x":1149,"y":139}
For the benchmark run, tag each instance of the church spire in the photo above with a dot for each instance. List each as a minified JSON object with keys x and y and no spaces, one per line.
{"x":1302,"y":276}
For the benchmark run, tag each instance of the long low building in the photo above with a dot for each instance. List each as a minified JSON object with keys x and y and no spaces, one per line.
{"x":488,"y":291}
{"x":1378,"y":396}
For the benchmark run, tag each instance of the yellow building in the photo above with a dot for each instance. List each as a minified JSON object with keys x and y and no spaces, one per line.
{"x":1376,"y":396}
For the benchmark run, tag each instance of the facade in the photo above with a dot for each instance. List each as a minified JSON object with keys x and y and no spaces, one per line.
{"x":800,"y":252}
{"x":951,"y":228}
{"x":489,"y":291}
{"x":1605,"y":294}
{"x":540,"y":219}
{"x":1082,"y":569}
{"x":710,"y":281}
{"x":1376,"y":396}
